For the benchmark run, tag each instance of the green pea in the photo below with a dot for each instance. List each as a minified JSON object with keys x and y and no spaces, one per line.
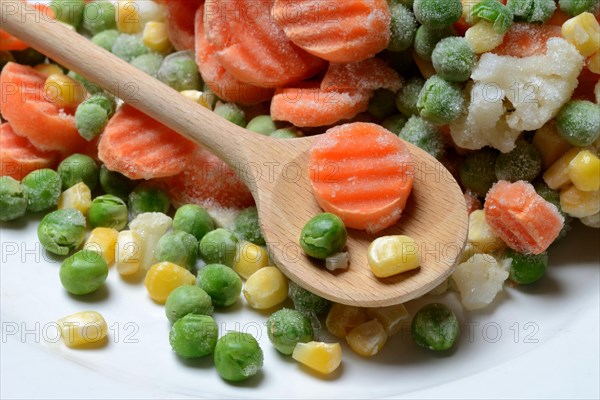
{"x":395,"y":123}
{"x":129,"y":47}
{"x":219,"y":246}
{"x":108,"y":211}
{"x":538,"y":11}
{"x":178,"y":247}
{"x":423,"y":134}
{"x":427,"y":38}
{"x":5,"y":58}
{"x":179,"y":70}
{"x":148,"y":197}
{"x":248,"y":227}
{"x":79,"y":168}
{"x":194,"y":336}
{"x":323,"y":236}
{"x":61,"y":231}
{"x":107,"y":102}
{"x":231,"y":113}
{"x":115,"y":183}
{"x":526,"y":268}
{"x":286,"y":133}
{"x":407,"y":97}
{"x":68,"y":11}
{"x":435,"y":327}
{"x":149,"y":63}
{"x":187,"y":299}
{"x":90,"y":87}
{"x":578,"y":122}
{"x":238,"y":356}
{"x":90,"y":120}
{"x":84,"y":272}
{"x":576,"y":7}
{"x":262,"y":124}
{"x":286,"y":328}
{"x":193,"y":219}
{"x":403,"y":27}
{"x":308,"y":302}
{"x":437,"y":14}
{"x":106,"y":39}
{"x":42,"y":188}
{"x":440,"y":101}
{"x":99,"y":16}
{"x":222,"y":284}
{"x":382,"y":104}
{"x":477,"y":171}
{"x":453,"y":59}
{"x":495,"y":12}
{"x":13,"y":199}
{"x":29,"y":56}
{"x":523,"y":163}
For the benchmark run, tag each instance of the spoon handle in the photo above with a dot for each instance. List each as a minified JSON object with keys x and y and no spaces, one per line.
{"x":135,"y":87}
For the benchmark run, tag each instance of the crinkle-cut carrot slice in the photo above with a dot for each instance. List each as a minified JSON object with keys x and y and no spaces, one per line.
{"x":521,"y":217}
{"x":370,"y":74}
{"x":208,"y":181}
{"x":45,"y":125}
{"x":526,"y":39}
{"x":18,"y":156}
{"x":8,"y":42}
{"x":337,"y":31}
{"x":309,"y":106}
{"x":221,"y":82}
{"x":141,"y":148}
{"x":180,"y":19}
{"x":252,"y":47}
{"x":363,"y":173}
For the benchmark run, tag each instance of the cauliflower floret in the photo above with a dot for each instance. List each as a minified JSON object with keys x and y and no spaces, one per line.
{"x":479,"y":279}
{"x":151,"y":226}
{"x":510,"y":95}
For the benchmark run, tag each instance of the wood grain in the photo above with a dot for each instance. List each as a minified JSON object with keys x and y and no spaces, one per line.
{"x":276,"y":171}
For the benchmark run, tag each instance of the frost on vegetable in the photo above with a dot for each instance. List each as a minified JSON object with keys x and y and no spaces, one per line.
{"x":479,"y":280}
{"x":510,"y":95}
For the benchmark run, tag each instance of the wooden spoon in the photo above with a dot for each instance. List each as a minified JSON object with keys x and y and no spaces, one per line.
{"x":276,"y":171}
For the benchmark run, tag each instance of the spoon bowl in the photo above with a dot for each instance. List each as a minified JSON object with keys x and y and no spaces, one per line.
{"x":276,"y":172}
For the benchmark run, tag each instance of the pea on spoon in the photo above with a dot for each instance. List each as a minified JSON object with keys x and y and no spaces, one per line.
{"x":276,"y":172}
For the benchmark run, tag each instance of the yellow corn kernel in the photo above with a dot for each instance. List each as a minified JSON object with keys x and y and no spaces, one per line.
{"x":249,"y":259}
{"x":78,"y":196}
{"x":104,"y":242}
{"x":467,"y":6}
{"x":164,"y":277}
{"x":583,"y":32}
{"x":578,"y":203}
{"x":198,"y":97}
{"x":391,"y":255}
{"x":266,"y":288}
{"x":594,"y":63}
{"x":557,"y":176}
{"x":425,"y":67}
{"x":584,"y":171}
{"x":482,"y":37}
{"x":128,"y":252}
{"x":341,"y":319}
{"x":368,"y":338}
{"x":127,"y":16}
{"x":156,"y":36}
{"x":391,"y":318}
{"x":82,"y":329}
{"x":481,"y":236}
{"x":322,"y":357}
{"x":549,"y":143}
{"x":48,"y":69}
{"x":63,"y":91}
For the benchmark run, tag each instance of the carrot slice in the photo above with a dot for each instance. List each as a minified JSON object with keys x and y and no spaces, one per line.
{"x":362,"y":173}
{"x":309,"y":106}
{"x":141,"y":148}
{"x":208,"y":182}
{"x":216,"y":77}
{"x":8,"y":42}
{"x":18,"y":156}
{"x":338,"y":31}
{"x":525,"y":39}
{"x":252,"y":47}
{"x":180,"y":19}
{"x":521,"y":217}
{"x":370,"y":74}
{"x":48,"y":127}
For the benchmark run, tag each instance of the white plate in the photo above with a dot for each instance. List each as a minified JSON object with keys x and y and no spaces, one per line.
{"x":538,"y":341}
